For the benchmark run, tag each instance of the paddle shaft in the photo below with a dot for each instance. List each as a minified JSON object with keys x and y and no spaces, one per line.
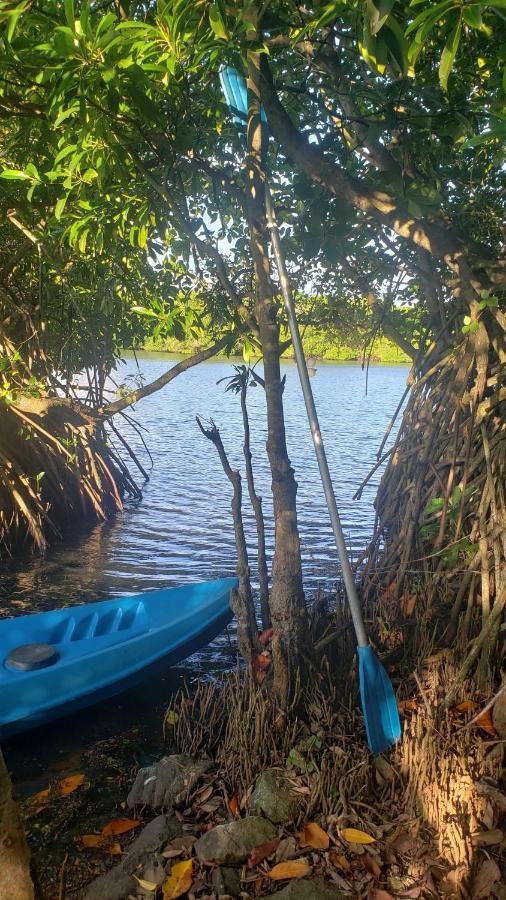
{"x":349,"y":582}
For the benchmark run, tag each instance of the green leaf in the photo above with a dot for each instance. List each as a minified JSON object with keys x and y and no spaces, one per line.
{"x":378,"y":12}
{"x":65,"y":151}
{"x":70,"y":13}
{"x":14,"y":175}
{"x":60,"y":206}
{"x":217,"y":23}
{"x":449,"y":53}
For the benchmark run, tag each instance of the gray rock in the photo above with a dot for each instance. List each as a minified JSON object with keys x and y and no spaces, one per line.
{"x":309,"y":889}
{"x":232,"y":843}
{"x":226,"y":882}
{"x":119,"y":882}
{"x":273,"y":798}
{"x":167,"y":781}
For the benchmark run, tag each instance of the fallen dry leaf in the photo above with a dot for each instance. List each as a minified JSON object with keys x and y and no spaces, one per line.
{"x":375,"y":893}
{"x":314,"y":836}
{"x":179,"y":881}
{"x":404,"y":842}
{"x":121,"y":826}
{"x":459,"y":711}
{"x":286,"y":870}
{"x":487,"y":875}
{"x":407,"y":705}
{"x":370,"y":865}
{"x":61,"y":788}
{"x":99,"y":842}
{"x":147,"y":885}
{"x":485,"y":721}
{"x":204,"y":795}
{"x":355,"y":836}
{"x":233,"y":805}
{"x":339,"y":861}
{"x":499,"y":714}
{"x":263,"y":851}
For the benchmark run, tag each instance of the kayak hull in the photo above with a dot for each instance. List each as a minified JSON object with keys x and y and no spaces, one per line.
{"x":103,"y":648}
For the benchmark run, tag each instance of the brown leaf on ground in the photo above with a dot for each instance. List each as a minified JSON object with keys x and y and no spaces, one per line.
{"x":487,"y":875}
{"x":370,"y":865}
{"x":459,"y":711}
{"x":499,"y":714}
{"x":404,"y":842}
{"x":375,"y":893}
{"x":450,"y":884}
{"x":314,"y":836}
{"x":487,"y":838}
{"x":233,"y":806}
{"x":61,"y":788}
{"x":407,"y":706}
{"x":486,"y":723}
{"x":121,"y":826}
{"x":99,"y":842}
{"x":339,"y":861}
{"x":286,"y":870}
{"x":263,"y":851}
{"x":179,"y":881}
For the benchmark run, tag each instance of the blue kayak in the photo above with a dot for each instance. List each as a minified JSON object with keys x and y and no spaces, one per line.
{"x":53,"y":663}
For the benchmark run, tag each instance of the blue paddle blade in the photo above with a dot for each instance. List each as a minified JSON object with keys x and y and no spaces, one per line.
{"x":379,"y":705}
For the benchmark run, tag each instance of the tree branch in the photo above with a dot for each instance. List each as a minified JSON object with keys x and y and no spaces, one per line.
{"x":105,"y":412}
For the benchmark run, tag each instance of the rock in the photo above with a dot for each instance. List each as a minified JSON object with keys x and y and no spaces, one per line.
{"x":167,"y":781}
{"x":226,"y":882}
{"x":287,"y":849}
{"x":309,"y":889}
{"x":232,"y":843}
{"x":273,"y":798}
{"x":119,"y":882}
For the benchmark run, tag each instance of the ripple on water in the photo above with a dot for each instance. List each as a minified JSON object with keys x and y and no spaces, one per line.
{"x":181,"y":531}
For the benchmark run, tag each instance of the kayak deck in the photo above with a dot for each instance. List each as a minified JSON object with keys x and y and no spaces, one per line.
{"x":100,"y":648}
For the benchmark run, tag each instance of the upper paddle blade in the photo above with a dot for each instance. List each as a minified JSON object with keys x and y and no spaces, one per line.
{"x":379,"y":705}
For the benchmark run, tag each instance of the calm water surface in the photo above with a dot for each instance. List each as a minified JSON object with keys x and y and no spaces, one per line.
{"x":181,"y":531}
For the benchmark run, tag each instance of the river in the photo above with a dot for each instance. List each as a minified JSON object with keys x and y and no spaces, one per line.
{"x":181,"y":530}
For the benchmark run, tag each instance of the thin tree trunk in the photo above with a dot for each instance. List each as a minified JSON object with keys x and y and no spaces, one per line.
{"x":242,"y":599}
{"x":287,"y":593}
{"x":15,"y":880}
{"x":256,"y":503}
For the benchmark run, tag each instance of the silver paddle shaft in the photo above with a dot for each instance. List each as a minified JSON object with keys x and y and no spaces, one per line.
{"x":349,"y":582}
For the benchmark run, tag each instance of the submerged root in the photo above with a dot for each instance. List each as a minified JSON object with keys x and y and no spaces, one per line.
{"x":56,"y":470}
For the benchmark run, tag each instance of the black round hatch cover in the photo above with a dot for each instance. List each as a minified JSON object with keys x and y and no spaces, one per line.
{"x":31,"y":656}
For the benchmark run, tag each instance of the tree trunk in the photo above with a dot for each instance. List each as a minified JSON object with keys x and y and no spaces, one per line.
{"x":15,"y":881}
{"x":256,"y":503}
{"x":242,"y":599}
{"x":287,"y":605}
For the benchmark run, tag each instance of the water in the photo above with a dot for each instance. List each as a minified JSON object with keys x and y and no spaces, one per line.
{"x":181,"y":531}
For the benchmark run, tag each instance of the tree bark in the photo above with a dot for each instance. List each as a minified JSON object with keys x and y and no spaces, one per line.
{"x":242,"y":599}
{"x":15,"y":880}
{"x":256,"y":503}
{"x":287,"y":603}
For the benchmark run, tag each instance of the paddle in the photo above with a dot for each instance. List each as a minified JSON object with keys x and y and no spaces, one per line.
{"x":379,"y":705}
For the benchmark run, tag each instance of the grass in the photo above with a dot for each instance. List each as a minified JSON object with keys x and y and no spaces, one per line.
{"x":320,"y":344}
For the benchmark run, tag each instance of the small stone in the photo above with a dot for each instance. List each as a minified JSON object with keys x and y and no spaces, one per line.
{"x":167,"y":782}
{"x":226,"y":882}
{"x":232,"y":843}
{"x":274,"y":799}
{"x":119,"y":882}
{"x":287,"y":849}
{"x":309,"y":889}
